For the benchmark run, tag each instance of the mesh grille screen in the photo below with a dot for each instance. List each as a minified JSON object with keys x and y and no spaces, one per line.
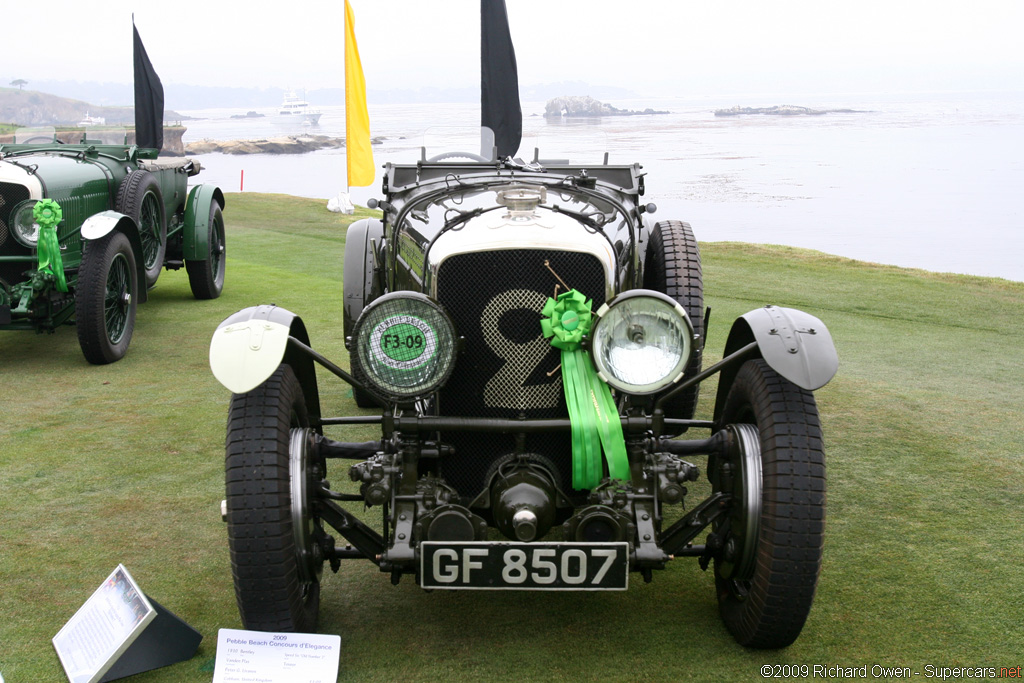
{"x":495,"y":299}
{"x":10,"y":195}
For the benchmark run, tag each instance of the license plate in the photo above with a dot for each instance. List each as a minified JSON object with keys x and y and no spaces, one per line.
{"x":482,"y":565}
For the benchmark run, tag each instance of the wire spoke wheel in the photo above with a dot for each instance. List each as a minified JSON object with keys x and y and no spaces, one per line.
{"x":118,"y":299}
{"x":106,"y":298}
{"x":140,"y":198}
{"x":206,"y":277}
{"x":766,"y":570}
{"x":150,"y":220}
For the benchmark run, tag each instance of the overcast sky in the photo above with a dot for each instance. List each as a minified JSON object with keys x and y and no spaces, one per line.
{"x":670,"y":47}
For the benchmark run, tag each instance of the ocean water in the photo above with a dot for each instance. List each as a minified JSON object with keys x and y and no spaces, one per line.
{"x":924,"y":180}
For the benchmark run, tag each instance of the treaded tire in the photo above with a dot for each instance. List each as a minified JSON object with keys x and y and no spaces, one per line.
{"x":769,"y":609}
{"x":106,"y":298}
{"x":139,"y":196}
{"x":672,"y":267}
{"x":268,"y":587}
{"x":206,"y":277}
{"x":358,"y":285}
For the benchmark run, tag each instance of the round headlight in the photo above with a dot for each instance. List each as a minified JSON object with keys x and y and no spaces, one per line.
{"x":404,"y":346}
{"x":26,"y":230}
{"x":641,"y":342}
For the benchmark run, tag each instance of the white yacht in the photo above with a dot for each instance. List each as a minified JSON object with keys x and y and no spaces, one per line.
{"x":294,"y":106}
{"x":92,"y":120}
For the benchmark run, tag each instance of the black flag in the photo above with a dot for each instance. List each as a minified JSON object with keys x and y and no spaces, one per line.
{"x":499,"y":79}
{"x":149,"y":99}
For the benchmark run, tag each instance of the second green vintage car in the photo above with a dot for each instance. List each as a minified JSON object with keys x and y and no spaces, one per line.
{"x":87,"y":227}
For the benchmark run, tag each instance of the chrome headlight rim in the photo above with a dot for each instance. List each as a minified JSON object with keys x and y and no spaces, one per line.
{"x":608,"y":313}
{"x":403,"y":346}
{"x":23,"y":224}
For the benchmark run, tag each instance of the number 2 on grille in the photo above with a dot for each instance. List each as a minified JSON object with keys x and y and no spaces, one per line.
{"x":508,"y":388}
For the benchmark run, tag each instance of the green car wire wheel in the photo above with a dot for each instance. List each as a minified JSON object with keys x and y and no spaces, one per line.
{"x":106,"y":298}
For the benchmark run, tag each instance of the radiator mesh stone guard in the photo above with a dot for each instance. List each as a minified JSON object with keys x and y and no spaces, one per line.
{"x":505,"y":368}
{"x":11,"y":194}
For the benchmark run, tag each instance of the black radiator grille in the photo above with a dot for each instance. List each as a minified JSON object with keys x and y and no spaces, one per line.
{"x":505,"y":368}
{"x":11,"y":194}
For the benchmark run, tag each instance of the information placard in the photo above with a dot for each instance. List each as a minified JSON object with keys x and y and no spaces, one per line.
{"x":103,"y":628}
{"x":258,"y":657}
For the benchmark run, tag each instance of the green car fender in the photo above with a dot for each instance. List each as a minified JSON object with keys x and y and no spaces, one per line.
{"x":197,"y":221}
{"x":248,"y":346}
{"x":795,"y":344}
{"x":103,"y":223}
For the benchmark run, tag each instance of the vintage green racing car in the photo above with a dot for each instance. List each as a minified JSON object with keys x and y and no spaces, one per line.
{"x":86,"y":228}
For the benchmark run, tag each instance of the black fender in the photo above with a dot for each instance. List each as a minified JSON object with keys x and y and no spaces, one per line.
{"x":196,"y":245}
{"x":103,"y":223}
{"x":248,"y":346}
{"x":361,"y":286}
{"x":795,"y":344}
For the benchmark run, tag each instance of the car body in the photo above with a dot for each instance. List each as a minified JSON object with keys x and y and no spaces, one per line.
{"x":512,"y":321}
{"x":123,"y":215}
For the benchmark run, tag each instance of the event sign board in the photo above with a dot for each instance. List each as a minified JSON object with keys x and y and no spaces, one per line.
{"x":276,"y":657}
{"x":120,"y":631}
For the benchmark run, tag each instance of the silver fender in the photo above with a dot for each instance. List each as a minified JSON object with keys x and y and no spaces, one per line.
{"x":103,"y":223}
{"x":795,"y":344}
{"x":248,"y":346}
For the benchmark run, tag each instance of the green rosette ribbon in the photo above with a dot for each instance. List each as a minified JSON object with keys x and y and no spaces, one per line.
{"x":47,"y":214}
{"x":592,"y":411}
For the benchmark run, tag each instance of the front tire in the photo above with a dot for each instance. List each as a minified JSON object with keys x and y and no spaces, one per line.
{"x":139,"y":196}
{"x":672,"y":266}
{"x":767,"y":571}
{"x":206,"y":277}
{"x":106,"y":298}
{"x":272,"y":534}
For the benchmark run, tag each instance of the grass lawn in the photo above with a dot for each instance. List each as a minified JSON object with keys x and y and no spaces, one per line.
{"x":923,"y":560}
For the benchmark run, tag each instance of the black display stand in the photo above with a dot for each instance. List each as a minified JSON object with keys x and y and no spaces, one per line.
{"x":166,"y":640}
{"x":120,"y":631}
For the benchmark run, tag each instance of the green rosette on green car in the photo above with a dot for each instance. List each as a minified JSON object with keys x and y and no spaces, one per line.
{"x":47,"y":214}
{"x":592,"y":411}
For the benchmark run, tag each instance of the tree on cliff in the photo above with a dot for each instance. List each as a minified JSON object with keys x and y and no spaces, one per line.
{"x":20,"y":82}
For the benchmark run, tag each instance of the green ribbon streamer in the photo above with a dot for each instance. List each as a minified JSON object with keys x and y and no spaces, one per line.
{"x":592,"y":411}
{"x":47,"y":213}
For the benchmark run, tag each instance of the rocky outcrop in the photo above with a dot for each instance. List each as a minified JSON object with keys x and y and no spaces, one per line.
{"x":585,"y":106}
{"x":291,"y":144}
{"x":781,"y":110}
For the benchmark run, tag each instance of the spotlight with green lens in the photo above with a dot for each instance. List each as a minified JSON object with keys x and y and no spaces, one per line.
{"x":404,"y":346}
{"x":641,"y":342}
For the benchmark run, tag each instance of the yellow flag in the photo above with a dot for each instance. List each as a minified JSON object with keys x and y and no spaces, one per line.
{"x":357,"y":121}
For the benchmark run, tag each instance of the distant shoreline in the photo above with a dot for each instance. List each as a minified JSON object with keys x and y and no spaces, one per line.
{"x":783,"y":110}
{"x":285,"y":144}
